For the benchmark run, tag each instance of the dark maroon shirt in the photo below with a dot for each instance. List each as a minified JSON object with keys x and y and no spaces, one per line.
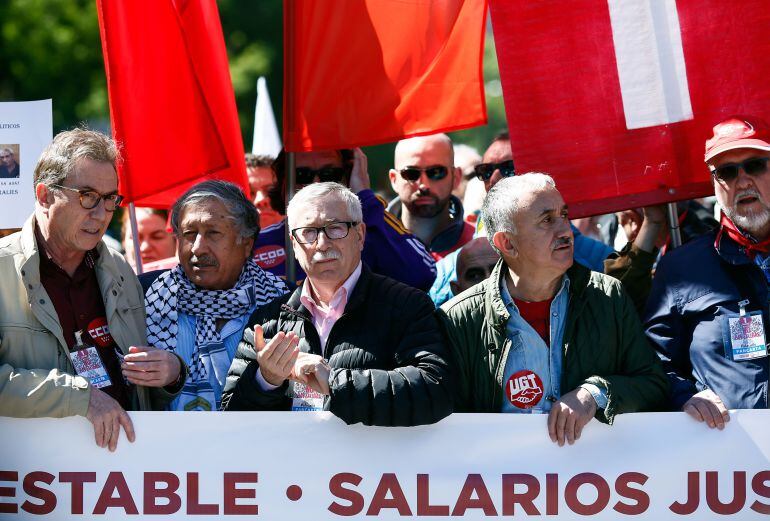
{"x":78,"y":303}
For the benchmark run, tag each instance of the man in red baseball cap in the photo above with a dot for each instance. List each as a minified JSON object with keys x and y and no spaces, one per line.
{"x":708,"y":311}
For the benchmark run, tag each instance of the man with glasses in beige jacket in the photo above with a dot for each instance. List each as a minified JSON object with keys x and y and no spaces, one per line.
{"x":71,"y":311}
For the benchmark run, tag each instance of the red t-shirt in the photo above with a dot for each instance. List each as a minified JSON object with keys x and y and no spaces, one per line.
{"x":537,"y":315}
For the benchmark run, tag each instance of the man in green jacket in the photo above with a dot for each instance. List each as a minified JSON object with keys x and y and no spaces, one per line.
{"x":542,"y":335}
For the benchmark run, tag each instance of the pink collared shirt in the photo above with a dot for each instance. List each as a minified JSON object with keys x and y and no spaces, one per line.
{"x":324,"y":317}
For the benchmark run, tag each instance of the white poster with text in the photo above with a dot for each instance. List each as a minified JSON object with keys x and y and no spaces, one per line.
{"x":26,"y":127}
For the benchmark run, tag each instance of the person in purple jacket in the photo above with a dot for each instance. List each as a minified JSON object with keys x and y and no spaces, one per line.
{"x":389,"y":248}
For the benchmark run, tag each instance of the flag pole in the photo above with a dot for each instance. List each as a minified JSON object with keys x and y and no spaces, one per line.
{"x":135,"y":238}
{"x":291,"y":272}
{"x":673,"y":225}
{"x":288,"y":126}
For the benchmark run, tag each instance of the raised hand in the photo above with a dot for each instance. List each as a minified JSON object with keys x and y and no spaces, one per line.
{"x":276,"y":358}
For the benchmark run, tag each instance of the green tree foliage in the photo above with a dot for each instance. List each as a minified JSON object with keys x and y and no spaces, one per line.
{"x":52,"y":49}
{"x":254,"y":39}
{"x":480,"y":137}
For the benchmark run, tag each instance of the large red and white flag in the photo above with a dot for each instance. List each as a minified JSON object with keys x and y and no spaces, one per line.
{"x":171,"y":99}
{"x":363,"y":72}
{"x":616,"y":98}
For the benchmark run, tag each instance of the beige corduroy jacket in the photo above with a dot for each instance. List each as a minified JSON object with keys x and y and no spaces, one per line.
{"x":37,"y":378}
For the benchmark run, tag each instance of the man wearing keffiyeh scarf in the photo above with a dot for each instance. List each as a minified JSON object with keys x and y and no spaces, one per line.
{"x":707,"y":314}
{"x":199,"y":309}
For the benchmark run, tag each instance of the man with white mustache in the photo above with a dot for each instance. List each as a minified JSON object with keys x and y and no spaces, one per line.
{"x":707,"y":313}
{"x":361,"y":345}
{"x":542,"y":334}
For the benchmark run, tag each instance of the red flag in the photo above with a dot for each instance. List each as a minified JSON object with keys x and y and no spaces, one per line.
{"x":171,"y":98}
{"x":616,"y":98}
{"x":362,"y":72}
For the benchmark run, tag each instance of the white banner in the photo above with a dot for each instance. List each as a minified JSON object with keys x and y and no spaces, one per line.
{"x":267,"y":140}
{"x":650,"y":60}
{"x":310,"y":466}
{"x":26,"y":128}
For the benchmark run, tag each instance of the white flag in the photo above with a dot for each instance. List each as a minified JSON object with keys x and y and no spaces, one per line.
{"x":267,"y":141}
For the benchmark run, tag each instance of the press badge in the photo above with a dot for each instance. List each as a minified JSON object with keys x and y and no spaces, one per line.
{"x":744,"y":335}
{"x":304,"y":398}
{"x":88,"y":363}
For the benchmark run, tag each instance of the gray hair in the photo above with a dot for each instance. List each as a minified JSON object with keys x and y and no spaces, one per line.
{"x":312,"y":194}
{"x":503,"y":201}
{"x":241,"y":210}
{"x":60,"y":156}
{"x":6,"y":149}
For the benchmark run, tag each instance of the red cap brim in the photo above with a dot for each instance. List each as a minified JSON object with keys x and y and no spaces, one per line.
{"x":757,"y":144}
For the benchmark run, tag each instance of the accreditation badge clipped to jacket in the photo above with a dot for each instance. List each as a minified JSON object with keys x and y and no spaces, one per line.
{"x":743,"y":334}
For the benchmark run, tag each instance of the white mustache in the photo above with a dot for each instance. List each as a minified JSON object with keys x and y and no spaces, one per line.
{"x":320,"y":256}
{"x":751,"y":192}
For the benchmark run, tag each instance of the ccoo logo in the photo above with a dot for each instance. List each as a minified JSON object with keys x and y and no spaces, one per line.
{"x":100,"y":332}
{"x":269,"y":256}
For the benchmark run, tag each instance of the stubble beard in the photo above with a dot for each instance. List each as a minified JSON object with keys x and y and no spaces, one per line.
{"x":428,"y":211}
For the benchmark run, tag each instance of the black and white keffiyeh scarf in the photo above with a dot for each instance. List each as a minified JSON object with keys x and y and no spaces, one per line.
{"x":173,"y":293}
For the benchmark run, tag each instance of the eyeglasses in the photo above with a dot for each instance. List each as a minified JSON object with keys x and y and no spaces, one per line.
{"x":753,"y":166}
{"x":89,"y":199}
{"x":309,"y":234}
{"x":484,"y":171}
{"x":434,"y":173}
{"x":306,"y":175}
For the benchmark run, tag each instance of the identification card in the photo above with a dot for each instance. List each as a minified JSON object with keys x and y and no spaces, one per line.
{"x":306,"y":399}
{"x":89,"y":365}
{"x":744,"y":336}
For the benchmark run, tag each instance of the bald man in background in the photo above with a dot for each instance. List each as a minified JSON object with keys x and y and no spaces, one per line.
{"x":424,"y":176}
{"x":475,"y":263}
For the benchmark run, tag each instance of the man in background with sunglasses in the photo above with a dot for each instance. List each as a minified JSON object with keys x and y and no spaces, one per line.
{"x":389,"y":248}
{"x":497,"y":162}
{"x":71,"y":310}
{"x":707,"y":314}
{"x":424,"y":177}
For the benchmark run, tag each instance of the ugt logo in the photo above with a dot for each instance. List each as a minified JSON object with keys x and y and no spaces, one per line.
{"x":524,"y":389}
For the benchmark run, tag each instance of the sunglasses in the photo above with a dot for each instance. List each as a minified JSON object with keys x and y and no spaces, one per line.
{"x":484,"y":171}
{"x":307,"y":175}
{"x":434,"y":173}
{"x":753,"y":166}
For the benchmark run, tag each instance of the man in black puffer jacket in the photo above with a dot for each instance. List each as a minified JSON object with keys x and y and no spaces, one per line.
{"x":363,"y":346}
